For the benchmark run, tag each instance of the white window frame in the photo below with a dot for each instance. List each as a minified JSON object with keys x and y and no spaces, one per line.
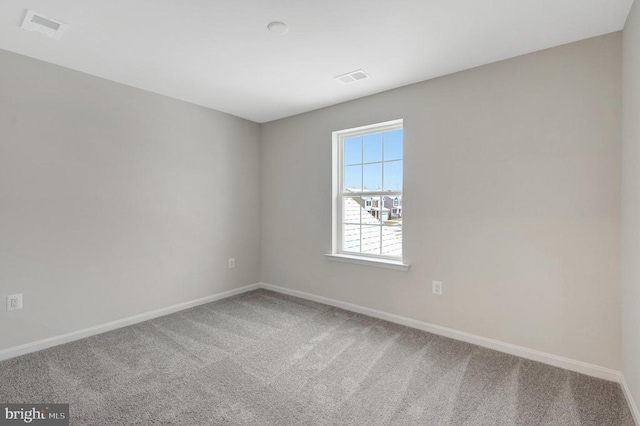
{"x":338,"y":254}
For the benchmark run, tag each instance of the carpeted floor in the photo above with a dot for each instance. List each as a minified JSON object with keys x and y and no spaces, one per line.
{"x":262,"y":358}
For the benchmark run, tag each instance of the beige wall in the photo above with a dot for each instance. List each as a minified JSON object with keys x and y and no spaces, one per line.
{"x":115,"y":201}
{"x":631,"y":205}
{"x":512,"y":185}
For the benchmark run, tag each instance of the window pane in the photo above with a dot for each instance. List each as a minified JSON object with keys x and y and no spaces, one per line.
{"x":370,"y":239}
{"x":393,"y":176}
{"x":352,"y":209}
{"x":378,"y":212}
{"x":373,"y":148}
{"x":373,"y":177}
{"x":396,"y":202}
{"x":392,"y":239}
{"x":352,"y":178}
{"x":368,"y":213}
{"x":353,"y":150}
{"x":351,"y":238}
{"x":393,"y":145}
{"x":367,"y":205}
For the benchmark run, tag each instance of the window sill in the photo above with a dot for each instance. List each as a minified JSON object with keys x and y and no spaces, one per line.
{"x":367,"y":261}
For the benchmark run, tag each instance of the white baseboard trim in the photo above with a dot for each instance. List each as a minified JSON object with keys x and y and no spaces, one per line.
{"x":532,"y":354}
{"x":632,"y":403}
{"x":557,"y":361}
{"x":102,"y":328}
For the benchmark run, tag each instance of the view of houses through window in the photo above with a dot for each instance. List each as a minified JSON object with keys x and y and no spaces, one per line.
{"x":370,"y":208}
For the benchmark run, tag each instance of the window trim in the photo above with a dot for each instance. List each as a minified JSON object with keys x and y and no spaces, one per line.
{"x":337,"y":252}
{"x":367,"y":261}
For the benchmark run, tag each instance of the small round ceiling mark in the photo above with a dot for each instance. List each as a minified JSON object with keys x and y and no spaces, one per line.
{"x":277,"y":27}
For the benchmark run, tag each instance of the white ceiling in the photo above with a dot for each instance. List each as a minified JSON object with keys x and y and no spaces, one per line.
{"x":219,"y":54}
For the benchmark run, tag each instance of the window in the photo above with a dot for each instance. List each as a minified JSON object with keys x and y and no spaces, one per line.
{"x":367,"y":219}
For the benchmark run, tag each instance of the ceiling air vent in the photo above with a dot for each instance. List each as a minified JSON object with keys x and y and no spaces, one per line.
{"x":352,"y":76}
{"x":37,"y":22}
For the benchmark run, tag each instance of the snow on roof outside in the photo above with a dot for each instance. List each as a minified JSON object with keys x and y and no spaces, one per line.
{"x":368,"y":241}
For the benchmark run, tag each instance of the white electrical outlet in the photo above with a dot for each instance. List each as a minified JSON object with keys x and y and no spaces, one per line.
{"x":232,"y":263}
{"x":437,"y":287}
{"x":14,"y":302}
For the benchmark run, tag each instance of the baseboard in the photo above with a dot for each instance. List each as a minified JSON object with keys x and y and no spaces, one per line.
{"x":102,"y":328}
{"x":532,"y":354}
{"x":557,"y":361}
{"x":632,"y":403}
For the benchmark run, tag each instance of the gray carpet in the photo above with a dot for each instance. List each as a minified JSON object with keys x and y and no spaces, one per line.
{"x":262,"y":358}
